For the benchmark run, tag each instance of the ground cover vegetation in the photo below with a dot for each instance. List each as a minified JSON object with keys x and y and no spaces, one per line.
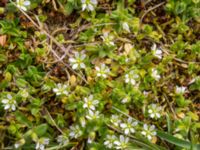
{"x":100,"y":74}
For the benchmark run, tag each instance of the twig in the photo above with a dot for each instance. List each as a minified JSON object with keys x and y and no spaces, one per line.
{"x":170,"y":106}
{"x":55,"y":41}
{"x":53,"y":121}
{"x":149,"y":10}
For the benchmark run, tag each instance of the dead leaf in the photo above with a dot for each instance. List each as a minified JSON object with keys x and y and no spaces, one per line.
{"x":3,"y":39}
{"x":127,"y":47}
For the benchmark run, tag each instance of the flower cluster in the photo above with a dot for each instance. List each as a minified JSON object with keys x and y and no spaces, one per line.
{"x":131,"y":77}
{"x":102,"y":71}
{"x":154,"y":111}
{"x":77,"y":62}
{"x":128,"y":127}
{"x":108,"y":39}
{"x":9,"y":103}
{"x":61,"y":89}
{"x":112,"y":141}
{"x":148,"y":131}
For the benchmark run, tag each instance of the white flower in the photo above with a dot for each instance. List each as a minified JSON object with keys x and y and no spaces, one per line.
{"x":92,"y":115}
{"x":23,"y":4}
{"x":40,"y":145}
{"x":148,"y":131}
{"x":88,"y":4}
{"x":156,"y":51}
{"x":180,"y":90}
{"x":131,"y":77}
{"x":115,"y":120}
{"x":61,"y":89}
{"x":102,"y":71}
{"x":154,"y":111}
{"x":125,"y":100}
{"x":90,"y":103}
{"x":154,"y":74}
{"x":109,"y":141}
{"x":75,"y":131}
{"x":125,"y":27}
{"x":122,"y":143}
{"x":129,"y":126}
{"x":63,"y":140}
{"x":77,"y":61}
{"x":108,"y":39}
{"x":9,"y":103}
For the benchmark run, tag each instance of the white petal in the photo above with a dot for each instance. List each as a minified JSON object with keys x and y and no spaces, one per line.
{"x":82,"y":65}
{"x":55,"y":90}
{"x":6,"y":106}
{"x":145,"y":126}
{"x":37,"y":146}
{"x":13,"y":107}
{"x":97,"y":68}
{"x":84,"y":7}
{"x":126,"y":131}
{"x":5,"y":101}
{"x":123,"y":125}
{"x":152,"y":115}
{"x":72,"y":60}
{"x":93,"y":2}
{"x":117,"y":143}
{"x":143,"y":132}
{"x":75,"y":66}
{"x":104,"y":75}
{"x":23,"y":8}
{"x":27,"y":3}
{"x":149,"y":137}
{"x":9,"y":96}
{"x":91,"y":7}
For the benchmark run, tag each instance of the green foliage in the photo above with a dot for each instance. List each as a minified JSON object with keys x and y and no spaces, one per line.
{"x":86,"y":74}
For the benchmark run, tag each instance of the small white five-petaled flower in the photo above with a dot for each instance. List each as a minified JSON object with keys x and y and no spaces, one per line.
{"x":109,"y":141}
{"x":154,"y":111}
{"x":180,"y":90}
{"x":102,"y":71}
{"x":129,"y":126}
{"x":63,"y":140}
{"x":78,"y":61}
{"x":61,"y":89}
{"x":92,"y":115}
{"x":90,"y":102}
{"x":88,"y":4}
{"x":122,"y":143}
{"x":9,"y":103}
{"x":156,"y":51}
{"x":115,"y":120}
{"x":125,"y":27}
{"x":23,"y":4}
{"x":131,"y":77}
{"x":75,"y":131}
{"x":108,"y":39}
{"x":40,"y":145}
{"x":154,"y":74}
{"x":148,"y":131}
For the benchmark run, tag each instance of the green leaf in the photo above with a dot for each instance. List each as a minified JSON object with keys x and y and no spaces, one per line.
{"x":41,"y":129}
{"x":178,"y":142}
{"x":23,"y":119}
